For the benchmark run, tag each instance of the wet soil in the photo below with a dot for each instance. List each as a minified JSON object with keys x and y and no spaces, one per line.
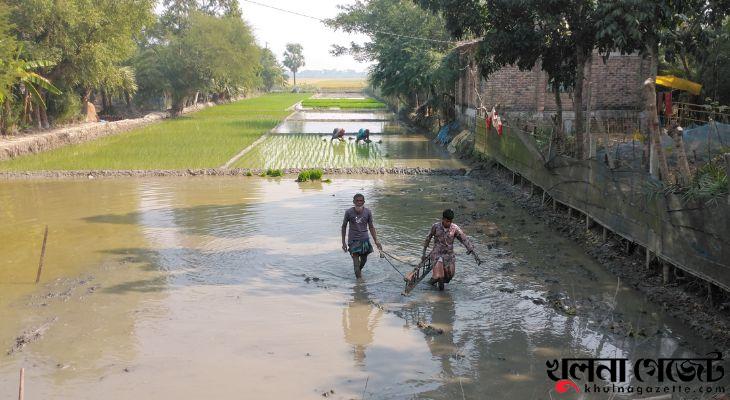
{"x":687,"y":301}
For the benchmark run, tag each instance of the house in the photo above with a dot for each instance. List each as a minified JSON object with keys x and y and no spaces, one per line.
{"x":615,"y":90}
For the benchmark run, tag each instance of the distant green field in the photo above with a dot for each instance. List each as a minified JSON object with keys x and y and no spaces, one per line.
{"x":331,"y":84}
{"x":343,"y":103}
{"x":205,"y":139}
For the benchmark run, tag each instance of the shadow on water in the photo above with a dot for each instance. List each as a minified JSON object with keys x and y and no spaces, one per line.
{"x":359,"y":321}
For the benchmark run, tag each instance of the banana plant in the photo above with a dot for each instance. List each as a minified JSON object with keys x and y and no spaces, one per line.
{"x":28,"y":81}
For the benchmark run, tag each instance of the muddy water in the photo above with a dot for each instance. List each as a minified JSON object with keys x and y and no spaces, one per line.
{"x":237,"y":287}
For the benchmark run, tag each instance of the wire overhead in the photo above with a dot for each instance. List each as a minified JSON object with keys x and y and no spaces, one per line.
{"x":365,"y":31}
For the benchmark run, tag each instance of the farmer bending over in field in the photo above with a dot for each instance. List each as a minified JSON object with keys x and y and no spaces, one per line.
{"x":442,"y":255}
{"x":338,"y":133}
{"x":358,"y":244}
{"x":364,"y":135}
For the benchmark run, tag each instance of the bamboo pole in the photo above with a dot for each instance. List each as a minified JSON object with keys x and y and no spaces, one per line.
{"x":43,"y":255}
{"x":21,"y":389}
{"x":657,"y":157}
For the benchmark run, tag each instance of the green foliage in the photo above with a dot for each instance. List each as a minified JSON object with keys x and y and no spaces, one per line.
{"x":82,"y":44}
{"x":709,"y":185}
{"x":272,"y":74}
{"x":212,"y":54}
{"x":66,"y":107}
{"x":8,"y":50}
{"x":304,"y":176}
{"x":205,"y":139}
{"x":310,"y":175}
{"x":294,"y":58}
{"x":273,"y":173}
{"x":409,"y":69}
{"x":343,"y":103}
{"x":315,"y":174}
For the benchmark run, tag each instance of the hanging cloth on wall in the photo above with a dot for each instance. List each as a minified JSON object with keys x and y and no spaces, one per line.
{"x":668,"y":104}
{"x":498,"y":123}
{"x":488,"y":119}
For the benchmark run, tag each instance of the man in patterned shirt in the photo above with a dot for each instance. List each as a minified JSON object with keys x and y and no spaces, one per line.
{"x":442,"y":255}
{"x":358,"y":244}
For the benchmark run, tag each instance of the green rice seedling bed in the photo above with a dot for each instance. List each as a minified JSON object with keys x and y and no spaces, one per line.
{"x":204,"y":139}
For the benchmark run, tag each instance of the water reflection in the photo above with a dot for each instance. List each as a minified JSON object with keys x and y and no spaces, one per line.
{"x":359,"y":320}
{"x":192,"y":271}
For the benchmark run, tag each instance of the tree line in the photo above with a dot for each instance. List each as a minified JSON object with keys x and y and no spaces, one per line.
{"x":57,"y":56}
{"x":688,"y":38}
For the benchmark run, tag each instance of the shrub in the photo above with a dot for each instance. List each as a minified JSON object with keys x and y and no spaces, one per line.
{"x":304,"y":176}
{"x":273,"y":172}
{"x":310,"y":175}
{"x":315,"y":174}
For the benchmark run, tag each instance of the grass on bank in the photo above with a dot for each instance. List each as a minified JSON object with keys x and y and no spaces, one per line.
{"x":343,"y":103}
{"x":205,"y":139}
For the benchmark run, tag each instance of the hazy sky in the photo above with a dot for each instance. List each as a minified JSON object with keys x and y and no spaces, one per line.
{"x":277,"y":29}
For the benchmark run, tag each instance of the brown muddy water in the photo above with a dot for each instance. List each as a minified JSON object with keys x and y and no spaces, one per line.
{"x":224,"y":287}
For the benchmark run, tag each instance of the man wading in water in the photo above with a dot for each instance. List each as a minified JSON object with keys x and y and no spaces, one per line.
{"x":442,"y":256}
{"x":358,"y":242}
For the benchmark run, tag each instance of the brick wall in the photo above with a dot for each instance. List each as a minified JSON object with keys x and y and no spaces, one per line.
{"x":617,"y":85}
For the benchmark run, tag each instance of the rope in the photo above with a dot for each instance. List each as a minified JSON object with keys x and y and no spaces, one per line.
{"x":399,"y":260}
{"x":391,"y":264}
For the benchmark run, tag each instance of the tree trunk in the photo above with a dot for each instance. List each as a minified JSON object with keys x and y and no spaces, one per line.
{"x":42,"y":110}
{"x":5,"y":126}
{"x":559,"y":135}
{"x":607,"y":146}
{"x":85,"y":100}
{"x":684,"y":171}
{"x":578,"y":102}
{"x":295,"y":77}
{"x":104,"y":103}
{"x":654,"y":130}
{"x":653,"y":51}
{"x":590,"y":140}
{"x":178,"y":105}
{"x":37,"y":115}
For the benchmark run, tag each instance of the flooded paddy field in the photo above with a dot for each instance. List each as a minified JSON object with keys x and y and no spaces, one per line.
{"x":237,"y":287}
{"x":318,"y":151}
{"x":304,"y":141}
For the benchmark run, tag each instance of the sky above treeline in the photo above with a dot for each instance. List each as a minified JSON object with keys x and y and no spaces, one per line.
{"x":275,"y":29}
